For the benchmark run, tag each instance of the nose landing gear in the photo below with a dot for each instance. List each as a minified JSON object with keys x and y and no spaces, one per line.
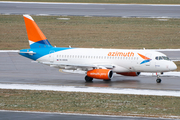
{"x":158,"y":80}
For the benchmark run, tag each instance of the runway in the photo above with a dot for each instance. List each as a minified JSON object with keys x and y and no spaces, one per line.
{"x":15,"y":69}
{"x":21,"y":115}
{"x":84,"y":9}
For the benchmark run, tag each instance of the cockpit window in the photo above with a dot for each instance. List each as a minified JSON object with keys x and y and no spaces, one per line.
{"x":165,"y":58}
{"x":162,"y":58}
{"x":157,"y":58}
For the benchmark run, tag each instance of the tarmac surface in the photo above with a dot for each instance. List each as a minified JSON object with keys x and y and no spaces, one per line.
{"x":80,"y":9}
{"x":15,"y":69}
{"x":58,"y":116}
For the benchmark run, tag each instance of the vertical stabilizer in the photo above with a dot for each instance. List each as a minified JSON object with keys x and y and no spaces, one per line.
{"x":36,"y":38}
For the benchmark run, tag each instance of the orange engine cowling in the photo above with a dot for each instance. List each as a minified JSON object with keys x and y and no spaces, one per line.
{"x":130,"y":73}
{"x":100,"y":74}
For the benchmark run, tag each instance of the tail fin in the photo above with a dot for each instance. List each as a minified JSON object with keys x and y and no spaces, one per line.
{"x":36,"y":38}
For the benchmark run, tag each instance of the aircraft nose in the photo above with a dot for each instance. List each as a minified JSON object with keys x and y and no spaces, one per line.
{"x":172,"y":66}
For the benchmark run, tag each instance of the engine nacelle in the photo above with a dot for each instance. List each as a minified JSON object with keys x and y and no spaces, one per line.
{"x":100,"y":74}
{"x":130,"y":73}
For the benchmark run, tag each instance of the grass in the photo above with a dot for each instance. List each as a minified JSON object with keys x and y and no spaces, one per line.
{"x":89,"y":103}
{"x":108,"y":1}
{"x":97,"y":32}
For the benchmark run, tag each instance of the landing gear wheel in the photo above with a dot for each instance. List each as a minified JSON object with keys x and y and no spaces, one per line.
{"x":88,"y":79}
{"x":158,"y":80}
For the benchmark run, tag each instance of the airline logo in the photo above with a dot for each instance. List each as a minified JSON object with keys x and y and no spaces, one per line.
{"x":121,"y":54}
{"x":146,"y":59}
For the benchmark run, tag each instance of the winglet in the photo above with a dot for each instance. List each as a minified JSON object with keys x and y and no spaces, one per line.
{"x":36,"y":37}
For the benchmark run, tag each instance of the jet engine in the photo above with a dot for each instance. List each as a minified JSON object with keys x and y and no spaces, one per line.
{"x":130,"y":73}
{"x":100,"y":74}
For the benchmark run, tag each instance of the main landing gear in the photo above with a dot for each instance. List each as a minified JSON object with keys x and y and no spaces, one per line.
{"x":158,"y":80}
{"x":88,"y":79}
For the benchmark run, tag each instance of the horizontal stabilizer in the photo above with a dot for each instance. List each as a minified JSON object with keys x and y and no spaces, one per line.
{"x":30,"y":52}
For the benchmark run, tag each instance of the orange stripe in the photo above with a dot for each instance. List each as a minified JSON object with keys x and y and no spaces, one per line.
{"x":144,"y":57}
{"x":33,"y":31}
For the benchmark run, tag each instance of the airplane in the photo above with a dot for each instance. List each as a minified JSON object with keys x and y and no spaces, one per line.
{"x":96,"y":63}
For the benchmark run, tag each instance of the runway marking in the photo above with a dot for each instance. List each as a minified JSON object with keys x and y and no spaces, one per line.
{"x":91,"y":89}
{"x":9,"y":50}
{"x":139,"y":49}
{"x":66,"y":3}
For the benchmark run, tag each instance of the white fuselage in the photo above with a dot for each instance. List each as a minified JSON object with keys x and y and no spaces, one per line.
{"x":122,"y":60}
